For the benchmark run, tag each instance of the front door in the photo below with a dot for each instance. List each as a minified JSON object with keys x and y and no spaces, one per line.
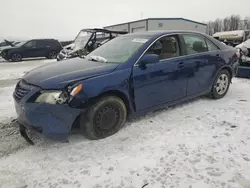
{"x":163,"y":81}
{"x":31,"y":49}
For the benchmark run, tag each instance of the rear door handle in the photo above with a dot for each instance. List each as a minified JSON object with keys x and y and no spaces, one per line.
{"x":181,"y":65}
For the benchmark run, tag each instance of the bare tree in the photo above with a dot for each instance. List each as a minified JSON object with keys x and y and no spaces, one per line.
{"x":210,"y":28}
{"x":226,"y":24}
{"x":235,"y":22}
{"x":246,"y":23}
{"x":217,"y":25}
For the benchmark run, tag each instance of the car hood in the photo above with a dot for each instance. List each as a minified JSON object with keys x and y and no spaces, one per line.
{"x":59,"y":74}
{"x":5,"y":47}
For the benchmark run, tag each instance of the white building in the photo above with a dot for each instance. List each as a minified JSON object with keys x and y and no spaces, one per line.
{"x":159,"y":24}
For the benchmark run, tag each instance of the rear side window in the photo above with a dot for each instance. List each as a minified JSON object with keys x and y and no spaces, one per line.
{"x":211,"y":46}
{"x":55,"y":43}
{"x":51,"y":43}
{"x":194,"y":44}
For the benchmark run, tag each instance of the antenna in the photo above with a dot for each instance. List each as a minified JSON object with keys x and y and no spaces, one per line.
{"x":141,"y":15}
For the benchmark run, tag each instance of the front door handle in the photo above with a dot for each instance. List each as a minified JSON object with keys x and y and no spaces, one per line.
{"x":218,"y":56}
{"x":181,"y":65}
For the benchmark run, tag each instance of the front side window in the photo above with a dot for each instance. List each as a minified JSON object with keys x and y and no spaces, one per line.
{"x":166,"y":47}
{"x":31,"y":44}
{"x":194,"y":44}
{"x":119,"y":49}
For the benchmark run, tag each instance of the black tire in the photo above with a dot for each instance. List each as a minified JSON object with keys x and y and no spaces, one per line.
{"x":16,"y":57}
{"x":51,"y":55}
{"x":221,"y":84}
{"x":104,"y":118}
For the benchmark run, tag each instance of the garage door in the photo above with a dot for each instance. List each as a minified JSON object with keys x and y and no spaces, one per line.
{"x":137,"y":29}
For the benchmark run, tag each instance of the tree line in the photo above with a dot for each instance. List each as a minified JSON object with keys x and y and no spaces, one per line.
{"x":233,"y":22}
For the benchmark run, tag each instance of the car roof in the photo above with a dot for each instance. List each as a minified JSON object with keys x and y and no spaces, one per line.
{"x":42,"y":39}
{"x":104,"y":30}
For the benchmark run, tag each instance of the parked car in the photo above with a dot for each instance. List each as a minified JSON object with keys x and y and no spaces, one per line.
{"x":128,"y":76}
{"x":6,"y":44}
{"x":86,"y":41}
{"x":48,"y":48}
{"x":244,"y":53}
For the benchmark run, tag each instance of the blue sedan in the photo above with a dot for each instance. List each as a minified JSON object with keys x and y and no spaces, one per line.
{"x":128,"y":76}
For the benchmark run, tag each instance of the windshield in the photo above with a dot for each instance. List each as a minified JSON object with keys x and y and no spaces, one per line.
{"x":81,"y":39}
{"x":20,"y":43}
{"x":120,"y":49}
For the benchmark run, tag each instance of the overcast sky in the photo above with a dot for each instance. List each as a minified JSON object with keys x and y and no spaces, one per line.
{"x":63,"y":19}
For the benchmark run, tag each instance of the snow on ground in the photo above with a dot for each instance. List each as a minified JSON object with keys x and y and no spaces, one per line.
{"x":16,"y":70}
{"x":200,"y":144}
{"x":6,"y":102}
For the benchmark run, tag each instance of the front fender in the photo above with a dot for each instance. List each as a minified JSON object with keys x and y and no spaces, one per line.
{"x":118,"y":80}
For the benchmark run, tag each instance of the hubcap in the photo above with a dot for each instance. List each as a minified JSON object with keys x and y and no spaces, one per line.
{"x":16,"y":57}
{"x":222,"y":84}
{"x":52,"y":55}
{"x":106,"y":118}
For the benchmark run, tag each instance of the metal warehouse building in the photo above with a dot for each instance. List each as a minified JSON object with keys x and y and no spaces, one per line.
{"x":159,"y":24}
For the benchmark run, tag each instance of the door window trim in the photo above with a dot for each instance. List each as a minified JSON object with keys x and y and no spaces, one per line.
{"x":166,"y":35}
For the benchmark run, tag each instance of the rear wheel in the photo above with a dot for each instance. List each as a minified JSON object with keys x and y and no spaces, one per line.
{"x":16,"y":57}
{"x":221,"y":84}
{"x":51,"y":55}
{"x":104,"y":118}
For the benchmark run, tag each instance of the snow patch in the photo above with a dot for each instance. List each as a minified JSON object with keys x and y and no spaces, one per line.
{"x":201,"y":143}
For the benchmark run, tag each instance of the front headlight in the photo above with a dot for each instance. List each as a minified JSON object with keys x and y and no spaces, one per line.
{"x":52,"y":97}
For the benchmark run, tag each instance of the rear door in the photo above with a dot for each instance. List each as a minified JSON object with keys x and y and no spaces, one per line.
{"x":202,"y":59}
{"x":41,"y":48}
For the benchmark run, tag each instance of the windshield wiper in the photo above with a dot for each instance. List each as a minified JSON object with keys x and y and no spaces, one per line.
{"x":97,"y":59}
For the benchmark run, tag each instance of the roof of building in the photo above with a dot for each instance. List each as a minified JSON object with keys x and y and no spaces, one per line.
{"x":161,"y":32}
{"x":184,"y":19}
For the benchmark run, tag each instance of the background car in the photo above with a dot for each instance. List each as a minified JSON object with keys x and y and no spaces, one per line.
{"x":128,"y":76}
{"x":7,"y":44}
{"x":86,"y":41}
{"x":48,"y":48}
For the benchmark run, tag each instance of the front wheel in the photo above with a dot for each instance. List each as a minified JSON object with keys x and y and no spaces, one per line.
{"x":104,"y":118}
{"x":16,"y":57}
{"x":221,"y":84}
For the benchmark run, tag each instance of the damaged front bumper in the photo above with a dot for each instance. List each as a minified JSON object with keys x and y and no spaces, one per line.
{"x":52,"y":121}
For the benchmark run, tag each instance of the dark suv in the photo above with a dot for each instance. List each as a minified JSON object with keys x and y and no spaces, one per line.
{"x":48,"y":48}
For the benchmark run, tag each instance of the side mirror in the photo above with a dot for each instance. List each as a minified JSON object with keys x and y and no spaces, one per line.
{"x":149,"y":59}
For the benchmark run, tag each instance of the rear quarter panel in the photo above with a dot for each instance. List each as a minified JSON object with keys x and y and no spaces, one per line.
{"x":231,"y":59}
